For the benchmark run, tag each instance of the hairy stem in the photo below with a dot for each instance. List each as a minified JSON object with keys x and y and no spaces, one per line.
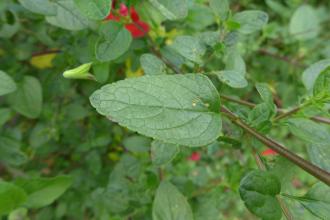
{"x":315,"y":171}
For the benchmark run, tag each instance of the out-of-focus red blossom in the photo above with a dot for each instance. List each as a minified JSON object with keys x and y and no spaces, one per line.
{"x":195,"y":156}
{"x":136,"y":27}
{"x":269,"y":152}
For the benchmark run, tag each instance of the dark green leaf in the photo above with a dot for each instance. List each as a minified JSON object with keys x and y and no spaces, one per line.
{"x":258,"y":190}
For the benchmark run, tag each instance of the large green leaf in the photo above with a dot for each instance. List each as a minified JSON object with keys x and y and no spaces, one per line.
{"x":232,"y":78}
{"x":11,"y":197}
{"x":258,"y":190}
{"x":171,"y":9}
{"x":220,"y":8}
{"x":251,"y":21}
{"x":68,"y":16}
{"x":7,"y":84}
{"x":304,"y":23}
{"x":179,"y":109}
{"x":170,"y":204}
{"x":309,"y":131}
{"x":310,"y":75}
{"x":94,"y":9}
{"x":152,"y":65}
{"x":189,"y":47}
{"x":43,"y":191}
{"x":45,"y":7}
{"x":27,"y":100}
{"x":115,"y":40}
{"x":162,"y":153}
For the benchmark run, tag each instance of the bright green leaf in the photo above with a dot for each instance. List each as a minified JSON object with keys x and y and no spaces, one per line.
{"x":115,"y":40}
{"x":43,"y":191}
{"x":304,"y":23}
{"x":68,"y":16}
{"x":171,"y":9}
{"x":45,"y":7}
{"x":309,"y":131}
{"x":258,"y":190}
{"x":310,"y":75}
{"x":27,"y":100}
{"x":232,"y":78}
{"x":11,"y":197}
{"x":179,"y":109}
{"x":152,"y":65}
{"x":170,"y":204}
{"x":190,"y":48}
{"x":162,"y":153}
{"x":7,"y":84}
{"x":251,"y":21}
{"x":94,"y":9}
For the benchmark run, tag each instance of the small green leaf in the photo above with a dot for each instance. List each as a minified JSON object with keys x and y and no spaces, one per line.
{"x":258,"y":190}
{"x":152,"y":65}
{"x":5,"y":115}
{"x":309,"y":131}
{"x":251,"y":21}
{"x":68,"y":16}
{"x":310,"y":75}
{"x":234,"y":61}
{"x":44,"y":7}
{"x":179,"y":109}
{"x":10,"y":152}
{"x":190,"y":48}
{"x":319,"y":155}
{"x":171,"y":9}
{"x":27,"y":100}
{"x":44,"y":191}
{"x":7,"y":84}
{"x":162,"y":153}
{"x":304,"y":23}
{"x":115,"y":40}
{"x":232,"y":78}
{"x":94,"y":9}
{"x":322,"y":84}
{"x":11,"y":197}
{"x":220,"y":8}
{"x":170,"y":204}
{"x":137,"y":143}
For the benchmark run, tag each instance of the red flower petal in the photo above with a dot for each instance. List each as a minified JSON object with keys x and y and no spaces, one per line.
{"x":134,"y":15}
{"x":195,"y":156}
{"x":138,"y":29}
{"x":123,"y":10}
{"x":268,"y":152}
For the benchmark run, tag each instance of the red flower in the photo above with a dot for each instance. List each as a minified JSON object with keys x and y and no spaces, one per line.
{"x":269,"y":152}
{"x":136,"y":27}
{"x":195,"y":156}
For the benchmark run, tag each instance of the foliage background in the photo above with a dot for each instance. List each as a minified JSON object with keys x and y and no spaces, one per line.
{"x":49,"y":128}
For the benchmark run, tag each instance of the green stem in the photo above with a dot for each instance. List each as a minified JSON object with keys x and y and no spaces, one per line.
{"x":315,"y":171}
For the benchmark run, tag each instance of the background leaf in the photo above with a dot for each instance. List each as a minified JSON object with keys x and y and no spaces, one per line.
{"x":171,"y":9}
{"x":162,"y":153}
{"x":11,"y":197}
{"x":251,"y":21}
{"x":170,"y":204}
{"x":7,"y":84}
{"x":94,"y":9}
{"x":152,"y":65}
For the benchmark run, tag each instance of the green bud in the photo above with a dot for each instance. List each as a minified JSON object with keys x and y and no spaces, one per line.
{"x":80,"y":72}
